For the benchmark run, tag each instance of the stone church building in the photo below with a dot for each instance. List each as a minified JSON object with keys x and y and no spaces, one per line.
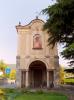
{"x":37,"y":64}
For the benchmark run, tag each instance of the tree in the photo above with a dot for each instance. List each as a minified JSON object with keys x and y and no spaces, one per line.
{"x":69,"y":70}
{"x":68,"y":53}
{"x":2,"y":66}
{"x":12,"y":74}
{"x":62,"y":75}
{"x":60,"y":26}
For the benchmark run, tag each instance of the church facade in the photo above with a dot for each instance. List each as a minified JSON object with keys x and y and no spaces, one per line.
{"x":37,"y":64}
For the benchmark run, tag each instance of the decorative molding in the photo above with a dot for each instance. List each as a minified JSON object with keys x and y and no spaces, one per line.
{"x":28,"y":25}
{"x":17,"y":57}
{"x":48,"y":70}
{"x":47,"y":56}
{"x":17,"y":62}
{"x":25,"y":70}
{"x":56,"y":57}
{"x":37,"y":48}
{"x":27,"y":56}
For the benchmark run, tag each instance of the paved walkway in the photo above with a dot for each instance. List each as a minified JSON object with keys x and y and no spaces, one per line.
{"x":8,"y":85}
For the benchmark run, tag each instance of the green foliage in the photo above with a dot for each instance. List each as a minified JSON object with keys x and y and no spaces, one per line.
{"x":2,"y":66}
{"x":8,"y":94}
{"x":12,"y":74}
{"x":68,"y":53}
{"x":44,"y":96}
{"x":60,"y":25}
{"x":2,"y":95}
{"x":62,"y":75}
{"x":69,"y":81}
{"x":40,"y":91}
{"x":14,"y":94}
{"x":69,"y":70}
{"x":7,"y":75}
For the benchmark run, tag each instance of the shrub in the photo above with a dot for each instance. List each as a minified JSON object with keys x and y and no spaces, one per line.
{"x":40,"y":91}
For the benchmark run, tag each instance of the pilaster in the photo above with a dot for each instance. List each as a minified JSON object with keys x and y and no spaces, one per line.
{"x":47,"y":79}
{"x":27,"y":78}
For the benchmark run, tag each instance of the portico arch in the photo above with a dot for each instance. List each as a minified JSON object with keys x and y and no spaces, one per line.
{"x":38,"y":59}
{"x":37,"y":74}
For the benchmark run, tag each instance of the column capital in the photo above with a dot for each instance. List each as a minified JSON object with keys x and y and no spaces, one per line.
{"x":17,"y":62}
{"x":56,"y":56}
{"x":27,"y":70}
{"x":49,"y":70}
{"x":17,"y":57}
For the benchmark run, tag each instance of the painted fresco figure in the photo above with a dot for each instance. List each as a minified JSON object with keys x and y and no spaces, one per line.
{"x":37,"y":44}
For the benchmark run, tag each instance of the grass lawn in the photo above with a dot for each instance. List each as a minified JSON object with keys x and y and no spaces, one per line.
{"x":13,"y":94}
{"x":43,"y":96}
{"x":69,"y":80}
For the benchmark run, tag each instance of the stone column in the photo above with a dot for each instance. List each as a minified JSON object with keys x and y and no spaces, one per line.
{"x":27,"y":78}
{"x":23,"y":84}
{"x":47,"y":79}
{"x":18,"y":72}
{"x":18,"y":78}
{"x":56,"y":78}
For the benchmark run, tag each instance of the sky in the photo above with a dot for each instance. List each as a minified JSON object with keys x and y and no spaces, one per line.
{"x":11,"y":12}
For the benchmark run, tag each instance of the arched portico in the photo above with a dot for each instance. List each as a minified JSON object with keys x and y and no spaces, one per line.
{"x":37,"y":74}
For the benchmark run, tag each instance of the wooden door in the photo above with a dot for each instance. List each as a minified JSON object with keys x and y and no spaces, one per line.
{"x":37,"y":78}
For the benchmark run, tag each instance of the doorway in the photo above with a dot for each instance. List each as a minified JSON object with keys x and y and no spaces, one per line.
{"x":37,"y":74}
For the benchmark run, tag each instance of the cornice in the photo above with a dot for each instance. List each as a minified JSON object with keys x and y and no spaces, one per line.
{"x":28,"y":26}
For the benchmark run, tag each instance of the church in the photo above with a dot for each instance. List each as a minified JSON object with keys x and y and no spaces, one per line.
{"x":37,"y":64}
